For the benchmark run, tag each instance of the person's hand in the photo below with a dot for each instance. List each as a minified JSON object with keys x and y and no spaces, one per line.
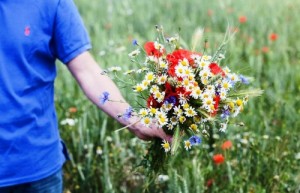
{"x":149,"y":133}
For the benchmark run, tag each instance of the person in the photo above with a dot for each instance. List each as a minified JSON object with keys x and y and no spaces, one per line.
{"x":33,"y":35}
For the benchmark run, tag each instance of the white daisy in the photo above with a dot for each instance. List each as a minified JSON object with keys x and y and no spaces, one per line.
{"x":114,"y":69}
{"x":187,"y":145}
{"x":146,"y":121}
{"x":190,"y":112}
{"x":134,"y":53}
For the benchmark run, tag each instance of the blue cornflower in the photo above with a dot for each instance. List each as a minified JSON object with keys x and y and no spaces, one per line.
{"x":171,"y":99}
{"x":104,"y":97}
{"x":195,"y":140}
{"x":128,"y":113}
{"x":244,"y":80}
{"x":225,"y":114}
{"x":134,"y":42}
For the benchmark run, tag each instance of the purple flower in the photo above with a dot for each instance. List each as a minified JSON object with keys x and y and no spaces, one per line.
{"x":225,"y":114}
{"x":195,"y":140}
{"x":128,"y":113}
{"x":134,"y":42}
{"x":171,"y":99}
{"x":104,"y":97}
{"x":244,"y":80}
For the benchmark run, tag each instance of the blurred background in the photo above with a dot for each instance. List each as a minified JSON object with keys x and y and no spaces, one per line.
{"x":264,"y":155}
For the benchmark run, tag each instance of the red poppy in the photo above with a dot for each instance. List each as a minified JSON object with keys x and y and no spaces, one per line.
{"x":243,"y":19}
{"x":218,"y":159}
{"x":210,"y":182}
{"x":151,"y":51}
{"x":226,"y":145}
{"x":182,"y":91}
{"x":273,"y":37}
{"x":72,"y":109}
{"x":151,"y":102}
{"x":265,"y":49}
{"x":216,"y":105}
{"x":178,"y":55}
{"x":169,"y":92}
{"x":210,"y":12}
{"x":216,"y":69}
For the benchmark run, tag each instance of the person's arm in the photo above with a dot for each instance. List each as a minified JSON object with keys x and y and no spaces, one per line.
{"x":88,"y":74}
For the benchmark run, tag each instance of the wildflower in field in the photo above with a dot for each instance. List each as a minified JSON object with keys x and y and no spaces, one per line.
{"x":218,"y":159}
{"x":135,"y":42}
{"x":154,"y":49}
{"x":226,"y":145}
{"x":194,"y":128}
{"x":265,"y":136}
{"x":223,"y":127}
{"x":215,"y":69}
{"x":72,"y":109}
{"x":209,"y":182}
{"x":149,"y":76}
{"x":104,"y":98}
{"x":139,"y":88}
{"x":99,"y":150}
{"x":166,"y":146}
{"x":242,"y":19}
{"x":187,"y":144}
{"x":162,"y":118}
{"x":297,"y":156}
{"x":128,"y":113}
{"x":114,"y":69}
{"x":210,"y":12}
{"x":195,"y":140}
{"x":265,"y":49}
{"x":190,"y":112}
{"x":243,"y":79}
{"x":163,"y":178}
{"x":273,"y":37}
{"x":134,"y":53}
{"x":68,"y":121}
{"x":129,"y":72}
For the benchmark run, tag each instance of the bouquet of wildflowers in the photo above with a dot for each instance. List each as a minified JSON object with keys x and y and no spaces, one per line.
{"x":184,"y":92}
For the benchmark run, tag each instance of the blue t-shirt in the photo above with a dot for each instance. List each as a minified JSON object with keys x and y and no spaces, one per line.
{"x":33,"y":34}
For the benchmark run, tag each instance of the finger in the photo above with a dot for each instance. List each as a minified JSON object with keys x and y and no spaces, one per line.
{"x":166,"y":137}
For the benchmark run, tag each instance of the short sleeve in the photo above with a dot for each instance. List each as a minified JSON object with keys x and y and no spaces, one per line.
{"x":70,"y":35}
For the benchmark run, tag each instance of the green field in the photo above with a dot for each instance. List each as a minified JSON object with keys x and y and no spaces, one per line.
{"x":265,"y":156}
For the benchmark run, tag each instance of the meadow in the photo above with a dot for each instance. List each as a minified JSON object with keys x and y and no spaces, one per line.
{"x":265,"y":152}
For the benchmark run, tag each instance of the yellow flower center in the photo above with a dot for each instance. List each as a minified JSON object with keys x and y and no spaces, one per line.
{"x":239,"y":102}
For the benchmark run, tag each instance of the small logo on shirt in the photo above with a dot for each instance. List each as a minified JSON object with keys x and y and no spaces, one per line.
{"x":27,"y":31}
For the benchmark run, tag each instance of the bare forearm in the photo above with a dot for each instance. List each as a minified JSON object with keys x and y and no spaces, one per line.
{"x":88,"y":74}
{"x":94,"y":84}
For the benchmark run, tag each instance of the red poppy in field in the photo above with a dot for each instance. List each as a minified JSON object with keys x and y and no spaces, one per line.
{"x":273,"y":37}
{"x":210,"y":182}
{"x":218,"y":159}
{"x":72,"y":109}
{"x":210,"y":12}
{"x":226,"y":145}
{"x":216,"y":69}
{"x":242,"y":19}
{"x":265,"y":49}
{"x":152,"y":51}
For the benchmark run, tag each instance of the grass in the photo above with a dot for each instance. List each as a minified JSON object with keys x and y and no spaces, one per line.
{"x":265,"y":153}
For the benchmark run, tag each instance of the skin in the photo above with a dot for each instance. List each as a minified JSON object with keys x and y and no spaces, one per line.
{"x":87,"y":73}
